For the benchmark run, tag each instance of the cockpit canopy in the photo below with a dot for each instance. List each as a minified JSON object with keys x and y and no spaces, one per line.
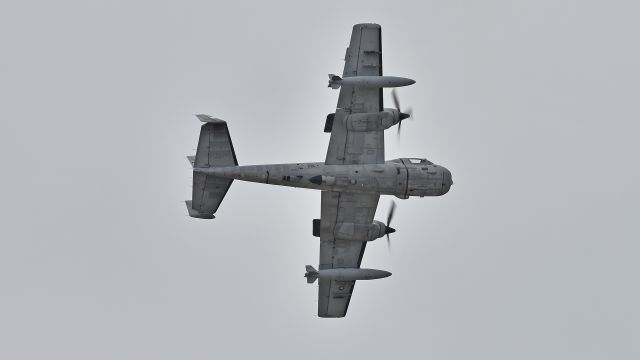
{"x":417,"y":161}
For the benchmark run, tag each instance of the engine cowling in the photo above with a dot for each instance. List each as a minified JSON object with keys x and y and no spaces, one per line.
{"x":372,"y":121}
{"x":360,"y":232}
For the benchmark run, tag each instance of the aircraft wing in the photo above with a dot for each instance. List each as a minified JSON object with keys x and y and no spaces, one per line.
{"x":363,"y":57}
{"x":336,"y":208}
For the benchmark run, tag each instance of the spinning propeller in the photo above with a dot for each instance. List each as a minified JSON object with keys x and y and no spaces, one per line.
{"x":396,"y":102}
{"x":389,"y":229}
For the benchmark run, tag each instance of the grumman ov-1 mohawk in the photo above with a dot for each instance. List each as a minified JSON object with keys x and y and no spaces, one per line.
{"x":352,"y":177}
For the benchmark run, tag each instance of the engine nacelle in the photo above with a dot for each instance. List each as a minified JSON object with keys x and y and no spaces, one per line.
{"x":360,"y":232}
{"x":372,"y":121}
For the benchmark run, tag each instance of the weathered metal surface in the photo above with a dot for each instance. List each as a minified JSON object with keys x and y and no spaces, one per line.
{"x":395,"y":177}
{"x":352,"y":177}
{"x":348,"y":274}
{"x":369,"y":82}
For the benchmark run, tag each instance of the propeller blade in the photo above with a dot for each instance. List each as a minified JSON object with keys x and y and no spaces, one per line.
{"x":396,"y":101}
{"x":392,"y":210}
{"x":406,"y":115}
{"x":389,"y":229}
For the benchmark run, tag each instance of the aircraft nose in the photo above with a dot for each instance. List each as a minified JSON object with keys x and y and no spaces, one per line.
{"x":447,"y":181}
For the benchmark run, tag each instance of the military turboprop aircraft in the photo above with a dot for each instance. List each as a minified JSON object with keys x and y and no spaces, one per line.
{"x":352,"y":177}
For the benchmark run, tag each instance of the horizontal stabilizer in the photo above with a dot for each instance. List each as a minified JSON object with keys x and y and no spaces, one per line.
{"x":208,"y":192}
{"x":214,"y":146}
{"x":195,"y":214}
{"x":214,"y":150}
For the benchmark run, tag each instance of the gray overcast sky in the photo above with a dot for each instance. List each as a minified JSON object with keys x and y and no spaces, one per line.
{"x":533,"y":105}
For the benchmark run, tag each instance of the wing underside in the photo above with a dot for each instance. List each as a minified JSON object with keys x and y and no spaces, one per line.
{"x":337,"y":207}
{"x":363,"y":57}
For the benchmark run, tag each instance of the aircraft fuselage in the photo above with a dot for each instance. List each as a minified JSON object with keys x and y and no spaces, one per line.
{"x":399,"y":177}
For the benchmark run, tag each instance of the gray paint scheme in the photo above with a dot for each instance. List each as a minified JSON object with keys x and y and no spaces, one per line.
{"x":351,"y":179}
{"x":335,"y":82}
{"x":344,"y":274}
{"x":399,"y":177}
